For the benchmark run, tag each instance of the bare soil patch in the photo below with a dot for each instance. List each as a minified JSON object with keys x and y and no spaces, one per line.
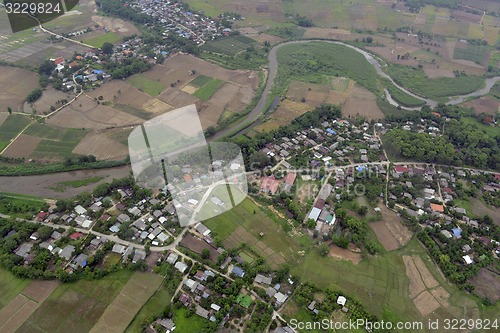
{"x":116,"y":25}
{"x":328,"y":33}
{"x":15,"y":86}
{"x":262,"y":37}
{"x":102,"y":147}
{"x":24,"y":146}
{"x":340,"y":253}
{"x":429,"y":280}
{"x":432,"y":71}
{"x":189,"y":89}
{"x":416,"y":283}
{"x":49,"y":98}
{"x":363,"y":103}
{"x":426,"y":303}
{"x":484,"y":104}
{"x":39,"y":290}
{"x":390,"y":232}
{"x":286,"y":112}
{"x":3,"y":116}
{"x":121,"y":92}
{"x":487,"y":283}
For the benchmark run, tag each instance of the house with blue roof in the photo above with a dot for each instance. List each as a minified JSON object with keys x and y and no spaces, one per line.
{"x":238,"y":271}
{"x":329,"y":130}
{"x":98,"y":72}
{"x":457,"y":232}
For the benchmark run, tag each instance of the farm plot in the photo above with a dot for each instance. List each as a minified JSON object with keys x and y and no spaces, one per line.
{"x":10,"y":287}
{"x":424,"y":290}
{"x":23,"y":146}
{"x":11,"y":127}
{"x":390,"y":232}
{"x":363,"y":17}
{"x":209,"y":115}
{"x":344,"y":254}
{"x":362,"y":102}
{"x":50,"y":97}
{"x":15,"y":85}
{"x":147,"y":85}
{"x":20,"y":308}
{"x":118,"y":315}
{"x":245,"y":222}
{"x":229,"y":45}
{"x":208,"y":89}
{"x":476,"y":53}
{"x":76,"y":307}
{"x":484,"y":104}
{"x":102,"y":147}
{"x":487,"y":284}
{"x":286,"y":112}
{"x":100,"y":39}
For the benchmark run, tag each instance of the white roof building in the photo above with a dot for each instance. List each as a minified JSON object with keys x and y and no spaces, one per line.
{"x":341,"y":300}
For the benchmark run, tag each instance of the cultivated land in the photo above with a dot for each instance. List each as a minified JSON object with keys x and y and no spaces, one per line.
{"x":244,"y":223}
{"x":15,"y":85}
{"x":118,"y":315}
{"x":77,"y":306}
{"x":391,"y":233}
{"x":383,"y":280}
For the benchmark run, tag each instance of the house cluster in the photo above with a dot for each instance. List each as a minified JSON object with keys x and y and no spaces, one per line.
{"x":429,"y":195}
{"x":175,"y":18}
{"x":68,"y":251}
{"x":341,"y":301}
{"x":271,"y":184}
{"x":336,"y":142}
{"x":321,"y":212}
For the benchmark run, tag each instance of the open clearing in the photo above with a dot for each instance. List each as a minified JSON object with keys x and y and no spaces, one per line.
{"x":15,"y":85}
{"x":102,"y":147}
{"x":10,"y":287}
{"x":23,"y":305}
{"x":286,"y":112}
{"x":118,"y":315}
{"x":424,"y":289}
{"x":484,"y":104}
{"x":24,"y":146}
{"x":390,"y":232}
{"x":487,"y":283}
{"x":345,"y":254}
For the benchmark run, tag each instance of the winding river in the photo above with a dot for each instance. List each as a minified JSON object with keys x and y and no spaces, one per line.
{"x":40,"y":184}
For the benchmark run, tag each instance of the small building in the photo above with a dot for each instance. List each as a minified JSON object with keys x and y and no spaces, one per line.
{"x":238,"y":271}
{"x":180,"y":266}
{"x":341,"y":300}
{"x":467,"y":260}
{"x":259,"y":278}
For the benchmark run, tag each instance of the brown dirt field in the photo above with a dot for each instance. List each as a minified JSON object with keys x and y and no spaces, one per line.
{"x":286,"y":112}
{"x":197,"y":245}
{"x":442,"y":296}
{"x":177,"y":98}
{"x":327,"y":33}
{"x":218,"y":103}
{"x":125,"y":306}
{"x":362,"y":102}
{"x":484,"y":104}
{"x":262,"y":37}
{"x":241,"y":99}
{"x":384,"y":236}
{"x":3,"y":117}
{"x":39,"y":290}
{"x":416,"y":284}
{"x":433,"y":72}
{"x":487,"y":284}
{"x":116,"y":25}
{"x":307,"y":191}
{"x":426,"y":303}
{"x":49,"y":98}
{"x":155,"y":106}
{"x":24,"y":146}
{"x":390,"y":53}
{"x":102,"y":147}
{"x":421,"y":19}
{"x":340,"y":253}
{"x":363,"y":16}
{"x":125,"y":93}
{"x":15,"y":86}
{"x":429,"y":280}
{"x":491,"y":35}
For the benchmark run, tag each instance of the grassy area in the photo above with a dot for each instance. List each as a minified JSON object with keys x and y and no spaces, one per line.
{"x":200,"y":81}
{"x":190,"y":324}
{"x":401,"y":97}
{"x":317,"y":62}
{"x":109,"y":37}
{"x":153,"y":307}
{"x":208,"y":89}
{"x":58,"y":143}
{"x":381,"y":280}
{"x":491,"y":130}
{"x":415,"y":80}
{"x":474,"y":53}
{"x":145,"y":84}
{"x":77,"y":306}
{"x":10,"y":287}
{"x":11,"y":127}
{"x":229,"y":45}
{"x":61,"y":186}
{"x":19,"y":207}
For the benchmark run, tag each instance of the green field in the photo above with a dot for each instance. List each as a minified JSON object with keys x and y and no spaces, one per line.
{"x":10,"y":287}
{"x":145,"y":84}
{"x":19,"y":207}
{"x":98,"y":41}
{"x":474,"y":53}
{"x":200,"y":81}
{"x":153,"y":307}
{"x":76,"y":307}
{"x":208,"y":89}
{"x":491,"y":130}
{"x":11,"y":127}
{"x":382,"y":280}
{"x":57,"y":143}
{"x":190,"y":324}
{"x":229,"y":45}
{"x":317,"y":62}
{"x":401,"y":97}
{"x":254,"y":220}
{"x":414,"y":79}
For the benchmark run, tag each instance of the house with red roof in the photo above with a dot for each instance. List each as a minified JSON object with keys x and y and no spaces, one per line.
{"x":42,"y":216}
{"x":400,"y":169}
{"x":269,"y":185}
{"x":58,"y":61}
{"x":437,"y":207}
{"x":76,"y":235}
